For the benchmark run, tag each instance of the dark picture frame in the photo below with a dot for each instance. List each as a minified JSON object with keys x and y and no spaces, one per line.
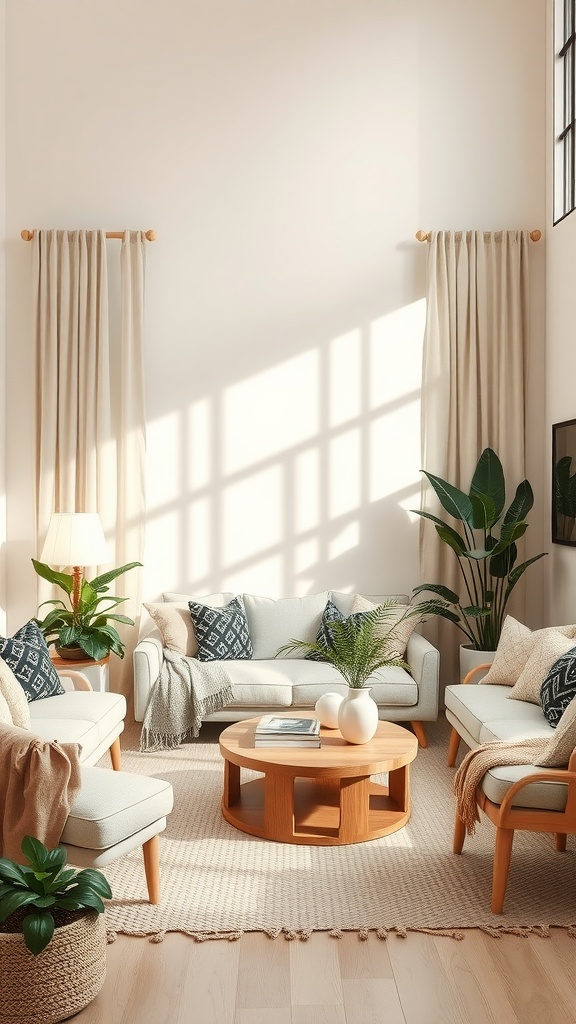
{"x":564,"y":482}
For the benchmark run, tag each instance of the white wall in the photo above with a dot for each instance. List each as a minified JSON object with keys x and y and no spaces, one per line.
{"x":285,"y":153}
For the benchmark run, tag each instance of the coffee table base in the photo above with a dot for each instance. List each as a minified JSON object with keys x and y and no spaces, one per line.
{"x":316,"y":812}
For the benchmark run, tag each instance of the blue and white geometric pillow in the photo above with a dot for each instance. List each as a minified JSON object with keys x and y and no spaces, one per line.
{"x":28,"y":656}
{"x":222,"y":633}
{"x":330,"y":614}
{"x":559,"y":687}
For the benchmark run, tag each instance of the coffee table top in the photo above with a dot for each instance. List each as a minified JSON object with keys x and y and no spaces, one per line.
{"x":391,"y":748}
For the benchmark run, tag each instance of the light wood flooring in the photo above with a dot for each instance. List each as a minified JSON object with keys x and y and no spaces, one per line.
{"x":422,"y":979}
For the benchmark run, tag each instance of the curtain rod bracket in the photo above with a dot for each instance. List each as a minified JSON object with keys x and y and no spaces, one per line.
{"x":424,"y":236}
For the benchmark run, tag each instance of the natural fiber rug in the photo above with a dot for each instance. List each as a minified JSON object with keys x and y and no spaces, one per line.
{"x":219,"y":882}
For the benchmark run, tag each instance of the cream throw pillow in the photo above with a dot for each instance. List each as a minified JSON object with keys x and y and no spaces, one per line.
{"x":402,"y":631}
{"x":5,"y":716}
{"x":514,"y":648}
{"x":547,"y":648}
{"x":563,"y":742}
{"x":14,"y":696}
{"x":175,"y":624}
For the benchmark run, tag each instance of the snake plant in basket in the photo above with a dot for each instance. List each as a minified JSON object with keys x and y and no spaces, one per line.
{"x":52,"y":936}
{"x":485,"y":548}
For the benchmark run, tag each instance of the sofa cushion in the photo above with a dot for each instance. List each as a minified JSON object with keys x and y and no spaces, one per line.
{"x":514,"y":648}
{"x":559,"y":688}
{"x":477,"y":706}
{"x":176,"y":627}
{"x":390,"y":686}
{"x":27,"y":654}
{"x":222,"y":634}
{"x":509,"y":730}
{"x":112,"y":806}
{"x":548,"y":647}
{"x":14,"y":696}
{"x":273,"y":623}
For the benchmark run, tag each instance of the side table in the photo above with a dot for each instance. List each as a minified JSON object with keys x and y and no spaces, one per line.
{"x":95,"y":671}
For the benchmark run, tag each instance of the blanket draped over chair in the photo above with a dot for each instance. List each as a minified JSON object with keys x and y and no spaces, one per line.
{"x":186,"y":691}
{"x":541,"y":752}
{"x":39,"y":781}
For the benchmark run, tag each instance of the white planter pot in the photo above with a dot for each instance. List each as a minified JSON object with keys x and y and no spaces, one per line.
{"x":469,"y":658}
{"x":358,"y":715}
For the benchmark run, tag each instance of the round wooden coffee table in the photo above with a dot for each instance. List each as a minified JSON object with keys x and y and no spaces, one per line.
{"x":318,"y":797}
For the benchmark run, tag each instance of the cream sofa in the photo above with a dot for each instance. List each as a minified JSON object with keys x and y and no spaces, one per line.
{"x":265,"y":683}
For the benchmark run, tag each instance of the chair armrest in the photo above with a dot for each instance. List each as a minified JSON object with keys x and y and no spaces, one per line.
{"x":148,"y":657}
{"x":477,"y":668}
{"x":549,"y":775}
{"x":79,"y":680}
{"x":424,"y":661}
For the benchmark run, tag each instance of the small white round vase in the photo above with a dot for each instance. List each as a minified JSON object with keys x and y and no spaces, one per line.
{"x":327,"y":707}
{"x":358,"y":716}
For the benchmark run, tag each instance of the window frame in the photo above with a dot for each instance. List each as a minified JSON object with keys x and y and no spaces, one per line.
{"x":564,"y":176}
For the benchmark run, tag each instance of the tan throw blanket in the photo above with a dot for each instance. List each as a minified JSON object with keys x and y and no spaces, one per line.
{"x":39,"y":781}
{"x":186,"y":691}
{"x":542,"y":753}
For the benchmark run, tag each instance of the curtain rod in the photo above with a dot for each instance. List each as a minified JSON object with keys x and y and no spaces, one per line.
{"x":27,"y":236}
{"x":424,"y":236}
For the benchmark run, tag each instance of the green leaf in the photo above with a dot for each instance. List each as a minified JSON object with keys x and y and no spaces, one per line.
{"x":457,"y":542}
{"x":38,"y":929}
{"x":488,"y":480}
{"x":509,"y":534}
{"x":59,"y":579}
{"x":97,"y":880}
{"x":35,"y":852}
{"x":438,"y":588}
{"x":449,"y":537}
{"x":477,"y":554}
{"x":55,"y":859}
{"x":11,"y":872}
{"x":484,"y":512}
{"x":521,"y":569}
{"x":452,"y":499}
{"x":100,"y":582}
{"x":14,"y":900}
{"x":521,"y":504}
{"x":474,"y":612}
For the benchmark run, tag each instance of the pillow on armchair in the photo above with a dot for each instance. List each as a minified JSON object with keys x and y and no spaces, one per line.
{"x":27,"y":654}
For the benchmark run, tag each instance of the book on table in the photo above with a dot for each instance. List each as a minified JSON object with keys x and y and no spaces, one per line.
{"x":274,"y":731}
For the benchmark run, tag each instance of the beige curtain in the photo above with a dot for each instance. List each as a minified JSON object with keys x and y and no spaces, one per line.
{"x":90,"y":409}
{"x":473,"y":385}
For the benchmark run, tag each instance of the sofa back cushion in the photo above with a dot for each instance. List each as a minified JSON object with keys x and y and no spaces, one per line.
{"x":345,"y":601}
{"x":273,"y":623}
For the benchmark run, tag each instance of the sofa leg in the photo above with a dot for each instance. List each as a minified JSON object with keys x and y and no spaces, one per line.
{"x":116,"y":755}
{"x":420,"y":733}
{"x":453,"y":747}
{"x":459,"y":834}
{"x":560,"y":841}
{"x":151,"y":851}
{"x":502,"y":852}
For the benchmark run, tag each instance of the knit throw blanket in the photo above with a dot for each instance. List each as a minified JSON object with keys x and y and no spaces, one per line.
{"x":186,"y":691}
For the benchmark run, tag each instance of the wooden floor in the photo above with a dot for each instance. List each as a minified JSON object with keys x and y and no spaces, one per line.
{"x":418,"y":980}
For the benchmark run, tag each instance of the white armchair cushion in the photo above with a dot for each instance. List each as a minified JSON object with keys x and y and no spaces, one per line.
{"x":113,"y":806}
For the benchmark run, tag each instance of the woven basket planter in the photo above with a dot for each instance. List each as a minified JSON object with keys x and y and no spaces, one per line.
{"x":60,"y":981}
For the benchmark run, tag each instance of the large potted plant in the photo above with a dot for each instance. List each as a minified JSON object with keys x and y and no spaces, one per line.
{"x":357,"y":646}
{"x":52,"y":936}
{"x":485,"y":548}
{"x":83,"y":626}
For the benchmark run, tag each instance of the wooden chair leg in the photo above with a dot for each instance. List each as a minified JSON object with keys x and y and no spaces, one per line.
{"x":151,"y":851}
{"x":420,"y":733}
{"x":459,"y":834}
{"x":453,"y":747}
{"x":116,"y":755}
{"x":502,"y":852}
{"x":560,"y":841}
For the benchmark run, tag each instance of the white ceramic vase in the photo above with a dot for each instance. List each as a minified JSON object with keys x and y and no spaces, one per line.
{"x":469,"y":658}
{"x":358,"y":715}
{"x":327,"y":707}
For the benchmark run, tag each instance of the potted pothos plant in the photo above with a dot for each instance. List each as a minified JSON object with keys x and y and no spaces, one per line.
{"x":84,"y":628}
{"x":52,"y":935}
{"x":484,"y":545}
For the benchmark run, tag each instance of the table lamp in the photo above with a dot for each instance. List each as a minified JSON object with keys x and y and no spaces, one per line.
{"x":75,"y":539}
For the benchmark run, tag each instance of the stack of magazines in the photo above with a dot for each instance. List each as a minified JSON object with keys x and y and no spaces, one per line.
{"x":274,"y":731}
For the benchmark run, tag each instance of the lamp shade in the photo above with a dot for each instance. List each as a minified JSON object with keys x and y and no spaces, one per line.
{"x":75,"y":538}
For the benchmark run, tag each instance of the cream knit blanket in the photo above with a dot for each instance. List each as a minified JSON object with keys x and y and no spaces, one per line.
{"x":542,"y":753}
{"x":186,"y":691}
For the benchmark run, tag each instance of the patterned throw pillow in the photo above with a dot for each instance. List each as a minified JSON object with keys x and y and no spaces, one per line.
{"x":559,"y":687}
{"x":548,"y":647}
{"x":26,"y":653}
{"x":324,"y":637}
{"x":222,"y":634}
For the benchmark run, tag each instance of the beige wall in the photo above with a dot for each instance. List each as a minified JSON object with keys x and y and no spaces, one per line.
{"x":285,"y":151}
{"x":3,"y":547}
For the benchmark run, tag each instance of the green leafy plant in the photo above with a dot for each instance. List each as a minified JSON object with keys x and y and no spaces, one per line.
{"x":87,"y":624}
{"x":564,"y":498}
{"x":44,"y":887}
{"x":485,"y":549}
{"x":355,"y":647}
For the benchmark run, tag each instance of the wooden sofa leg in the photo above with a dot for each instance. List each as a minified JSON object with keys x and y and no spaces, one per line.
{"x":560,"y":841}
{"x":116,"y":755}
{"x":151,"y":851}
{"x":453,"y":747}
{"x":420,"y":733}
{"x":459,"y":834}
{"x":502,"y":852}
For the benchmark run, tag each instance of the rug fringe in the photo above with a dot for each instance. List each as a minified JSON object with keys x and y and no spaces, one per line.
{"x":302,"y":935}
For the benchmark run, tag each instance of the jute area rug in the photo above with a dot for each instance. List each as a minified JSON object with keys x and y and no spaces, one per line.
{"x":218,"y":882}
